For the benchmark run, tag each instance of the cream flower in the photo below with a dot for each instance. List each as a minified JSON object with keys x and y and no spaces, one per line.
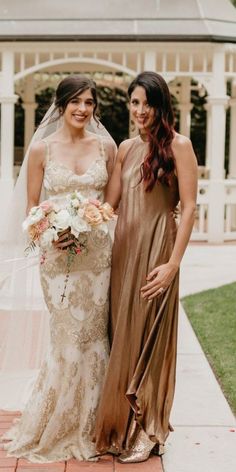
{"x":92,"y":215}
{"x":106,"y":211}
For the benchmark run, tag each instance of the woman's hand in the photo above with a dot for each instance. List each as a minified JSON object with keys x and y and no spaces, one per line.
{"x":65,"y":240}
{"x":158,"y":280}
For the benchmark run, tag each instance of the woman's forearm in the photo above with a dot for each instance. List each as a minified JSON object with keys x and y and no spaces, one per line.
{"x":183,"y":234}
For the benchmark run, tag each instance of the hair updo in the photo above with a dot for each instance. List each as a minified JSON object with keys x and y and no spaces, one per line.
{"x":72,"y":86}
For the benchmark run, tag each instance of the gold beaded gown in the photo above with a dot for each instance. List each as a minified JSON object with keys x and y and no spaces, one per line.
{"x":139,"y":385}
{"x":58,"y":421}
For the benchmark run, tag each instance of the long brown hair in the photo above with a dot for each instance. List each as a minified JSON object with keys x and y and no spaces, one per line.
{"x":158,"y":165}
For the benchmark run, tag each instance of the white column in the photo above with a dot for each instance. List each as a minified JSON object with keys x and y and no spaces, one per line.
{"x":7,"y":100}
{"x":216,"y":135}
{"x":150,"y":61}
{"x":217,"y":101}
{"x":208,"y":135}
{"x":185,"y":106}
{"x":29,"y":106}
{"x":232,"y":139}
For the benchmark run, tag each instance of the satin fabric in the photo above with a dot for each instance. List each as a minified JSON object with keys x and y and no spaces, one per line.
{"x":140,"y":381}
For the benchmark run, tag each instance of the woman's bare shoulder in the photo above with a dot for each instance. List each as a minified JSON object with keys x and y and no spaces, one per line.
{"x":181,"y":143}
{"x":127,"y":144}
{"x":124,"y":147}
{"x":38,"y":150}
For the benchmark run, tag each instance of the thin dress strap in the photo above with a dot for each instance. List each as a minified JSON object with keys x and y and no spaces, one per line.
{"x":47,"y":150}
{"x":102,"y":148}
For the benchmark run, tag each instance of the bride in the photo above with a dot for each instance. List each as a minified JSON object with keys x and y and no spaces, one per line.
{"x":58,"y":420}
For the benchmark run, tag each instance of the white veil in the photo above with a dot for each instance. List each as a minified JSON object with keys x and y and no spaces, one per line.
{"x":24,"y":330}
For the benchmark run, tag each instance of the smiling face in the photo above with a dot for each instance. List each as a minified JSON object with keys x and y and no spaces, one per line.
{"x":79,"y":110}
{"x":141,"y":112}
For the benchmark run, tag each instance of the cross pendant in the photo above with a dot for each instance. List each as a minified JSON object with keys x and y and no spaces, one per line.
{"x":62,"y":297}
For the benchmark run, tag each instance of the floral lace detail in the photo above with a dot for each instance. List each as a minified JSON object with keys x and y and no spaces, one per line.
{"x":59,"y":179}
{"x":58,"y":422}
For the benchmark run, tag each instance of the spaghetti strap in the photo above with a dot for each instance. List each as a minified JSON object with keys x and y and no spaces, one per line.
{"x":47,"y":150}
{"x":102,"y":148}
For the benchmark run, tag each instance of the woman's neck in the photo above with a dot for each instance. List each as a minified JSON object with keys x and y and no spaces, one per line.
{"x":73,"y":134}
{"x":144,"y":136}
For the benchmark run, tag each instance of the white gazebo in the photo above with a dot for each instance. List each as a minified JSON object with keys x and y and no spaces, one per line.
{"x":41,"y":41}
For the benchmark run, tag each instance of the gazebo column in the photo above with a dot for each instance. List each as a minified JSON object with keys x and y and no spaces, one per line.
{"x":217,"y":102}
{"x":29,"y":106}
{"x":150,"y":61}
{"x":7,"y":100}
{"x":232,"y":141}
{"x":185,"y":106}
{"x":208,"y":135}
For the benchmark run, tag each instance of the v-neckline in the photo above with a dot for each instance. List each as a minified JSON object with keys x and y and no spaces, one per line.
{"x":60,"y":164}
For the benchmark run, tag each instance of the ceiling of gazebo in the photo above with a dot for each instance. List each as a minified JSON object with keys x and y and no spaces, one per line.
{"x":159,"y":20}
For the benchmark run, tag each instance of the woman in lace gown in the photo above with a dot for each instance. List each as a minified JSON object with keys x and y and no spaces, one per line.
{"x":58,"y":421}
{"x":152,"y":172}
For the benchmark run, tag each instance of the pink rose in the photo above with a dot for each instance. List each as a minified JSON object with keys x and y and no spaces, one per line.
{"x":46,"y":206}
{"x":42,"y":225}
{"x":95,"y":202}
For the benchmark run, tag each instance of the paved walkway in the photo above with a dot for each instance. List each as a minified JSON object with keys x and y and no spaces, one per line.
{"x":106,"y":464}
{"x":205,"y":429}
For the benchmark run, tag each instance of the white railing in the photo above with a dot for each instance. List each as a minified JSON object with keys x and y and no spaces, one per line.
{"x":230,"y":209}
{"x":200,"y":230}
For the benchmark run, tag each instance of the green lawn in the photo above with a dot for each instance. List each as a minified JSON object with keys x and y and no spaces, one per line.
{"x":213,"y":316}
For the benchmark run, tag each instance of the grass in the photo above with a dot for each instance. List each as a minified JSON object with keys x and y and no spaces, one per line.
{"x":213,"y":317}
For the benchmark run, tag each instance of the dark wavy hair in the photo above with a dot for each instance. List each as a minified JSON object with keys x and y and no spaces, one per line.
{"x":158,"y":165}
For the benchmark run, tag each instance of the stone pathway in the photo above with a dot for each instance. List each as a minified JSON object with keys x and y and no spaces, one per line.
{"x":106,"y":464}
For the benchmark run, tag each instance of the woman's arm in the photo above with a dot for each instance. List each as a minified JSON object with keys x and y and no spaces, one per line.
{"x":113,"y":191}
{"x":186,"y":168}
{"x":35,"y":173}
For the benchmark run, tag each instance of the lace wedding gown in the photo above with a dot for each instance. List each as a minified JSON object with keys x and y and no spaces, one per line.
{"x":58,"y":422}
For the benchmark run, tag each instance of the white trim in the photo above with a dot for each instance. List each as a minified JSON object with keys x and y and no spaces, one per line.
{"x":76,"y":60}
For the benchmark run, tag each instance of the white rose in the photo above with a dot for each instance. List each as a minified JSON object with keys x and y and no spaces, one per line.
{"x":78,"y":225}
{"x":48,"y":237}
{"x":51,"y":217}
{"x":62,"y":220}
{"x":75,"y":203}
{"x":35,"y":215}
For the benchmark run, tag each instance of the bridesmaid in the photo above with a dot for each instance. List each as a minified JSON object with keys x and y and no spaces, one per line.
{"x":153,"y":172}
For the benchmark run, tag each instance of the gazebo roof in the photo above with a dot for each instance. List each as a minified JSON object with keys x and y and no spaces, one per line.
{"x":150,"y":20}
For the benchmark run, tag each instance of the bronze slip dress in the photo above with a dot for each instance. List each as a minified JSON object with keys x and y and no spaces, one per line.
{"x":140,"y":381}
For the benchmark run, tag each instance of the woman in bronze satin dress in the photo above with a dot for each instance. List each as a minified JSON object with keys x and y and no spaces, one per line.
{"x":153,"y":172}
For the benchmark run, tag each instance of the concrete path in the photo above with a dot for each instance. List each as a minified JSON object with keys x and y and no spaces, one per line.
{"x":205,"y":428}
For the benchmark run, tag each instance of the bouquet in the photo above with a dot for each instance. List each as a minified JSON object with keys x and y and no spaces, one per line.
{"x":78,"y":216}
